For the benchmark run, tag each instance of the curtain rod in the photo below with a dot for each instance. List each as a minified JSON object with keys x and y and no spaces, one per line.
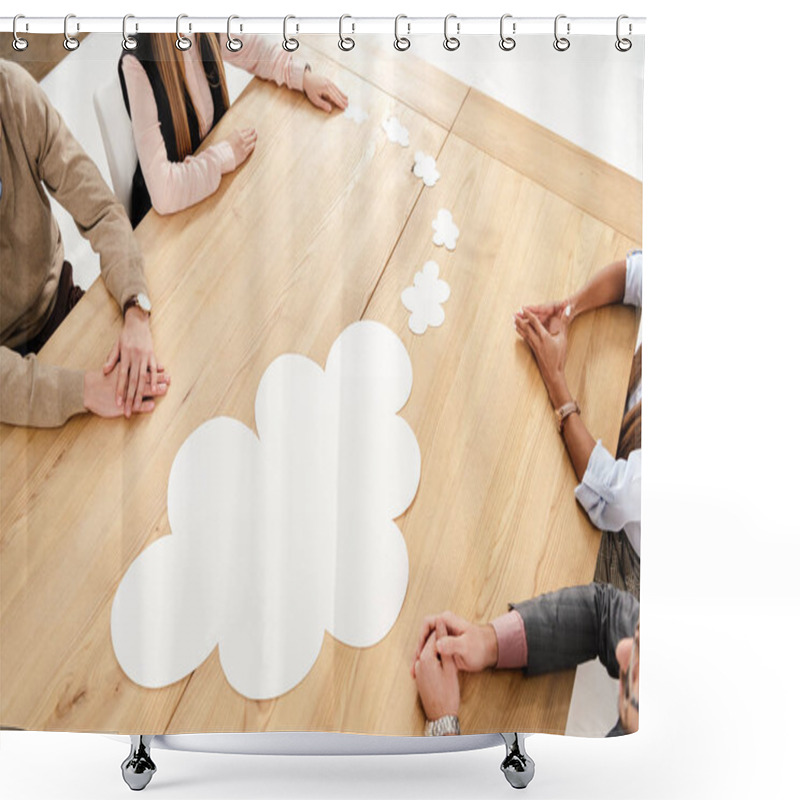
{"x":461,"y":26}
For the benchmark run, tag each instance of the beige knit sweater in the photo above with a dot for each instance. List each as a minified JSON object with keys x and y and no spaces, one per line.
{"x":37,"y":150}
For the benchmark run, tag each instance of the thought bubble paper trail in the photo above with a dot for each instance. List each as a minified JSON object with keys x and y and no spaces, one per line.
{"x":355,"y":113}
{"x":395,"y":131}
{"x":425,"y":168}
{"x":424,"y":299}
{"x":280,"y":536}
{"x":445,"y":230}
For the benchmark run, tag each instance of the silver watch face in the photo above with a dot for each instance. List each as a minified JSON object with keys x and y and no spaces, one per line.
{"x":143,"y":301}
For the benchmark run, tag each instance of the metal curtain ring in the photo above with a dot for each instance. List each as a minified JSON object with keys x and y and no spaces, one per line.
{"x":128,"y":42}
{"x":290,"y":44}
{"x":19,"y":44}
{"x":451,"y":42}
{"x":401,"y":42}
{"x":507,"y":42}
{"x":561,"y":43}
{"x":623,"y":45}
{"x":346,"y":42}
{"x":233,"y":44}
{"x":182,"y":42}
{"x":70,"y":43}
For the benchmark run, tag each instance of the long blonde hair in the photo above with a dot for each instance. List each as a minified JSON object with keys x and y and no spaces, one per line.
{"x":173,"y":75}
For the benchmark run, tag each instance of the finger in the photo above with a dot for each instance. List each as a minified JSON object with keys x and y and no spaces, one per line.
{"x":112,"y":358}
{"x":122,"y":378}
{"x":323,"y":104}
{"x":146,"y":407}
{"x":338,"y":97}
{"x":427,"y":626}
{"x":448,"y":663}
{"x":141,"y":384}
{"x":133,"y":382}
{"x":536,"y":325}
{"x":152,"y":365}
{"x":429,"y":651}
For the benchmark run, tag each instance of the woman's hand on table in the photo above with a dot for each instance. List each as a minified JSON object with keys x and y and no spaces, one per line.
{"x":242,"y":142}
{"x":472,"y":647}
{"x":437,"y":678}
{"x":100,"y":392}
{"x":549,"y":347}
{"x":322,"y":92}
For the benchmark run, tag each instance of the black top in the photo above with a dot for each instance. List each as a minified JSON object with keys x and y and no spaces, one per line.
{"x":140,"y":201}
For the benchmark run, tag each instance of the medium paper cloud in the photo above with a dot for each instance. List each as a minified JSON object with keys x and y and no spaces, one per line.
{"x":445,"y":230}
{"x":424,"y":299}
{"x":280,"y":536}
{"x":395,"y":131}
{"x":425,"y":168}
{"x":355,"y":113}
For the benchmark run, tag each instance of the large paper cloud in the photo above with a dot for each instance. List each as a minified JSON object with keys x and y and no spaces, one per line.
{"x":279,"y":536}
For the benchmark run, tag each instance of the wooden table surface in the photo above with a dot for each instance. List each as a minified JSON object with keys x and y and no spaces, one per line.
{"x":324,"y":225}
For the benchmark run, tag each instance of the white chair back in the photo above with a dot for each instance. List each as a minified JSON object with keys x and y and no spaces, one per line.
{"x":117,"y":133}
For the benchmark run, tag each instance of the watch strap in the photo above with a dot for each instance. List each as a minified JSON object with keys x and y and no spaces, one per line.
{"x":444,"y":726}
{"x":564,"y":411}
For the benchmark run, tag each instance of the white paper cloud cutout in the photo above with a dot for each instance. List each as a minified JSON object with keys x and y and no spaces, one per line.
{"x":445,"y":230}
{"x":424,"y":299}
{"x":355,"y":113}
{"x":395,"y":131}
{"x":425,"y":168}
{"x":281,"y":536}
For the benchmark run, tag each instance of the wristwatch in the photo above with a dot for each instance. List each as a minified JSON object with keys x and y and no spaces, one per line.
{"x":444,"y":726}
{"x":562,"y":413}
{"x":140,"y":300}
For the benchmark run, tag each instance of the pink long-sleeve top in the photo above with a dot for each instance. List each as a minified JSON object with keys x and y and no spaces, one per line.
{"x":172,"y":185}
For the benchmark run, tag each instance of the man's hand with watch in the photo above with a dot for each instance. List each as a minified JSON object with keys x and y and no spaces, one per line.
{"x":133,"y":351}
{"x":437,"y":683}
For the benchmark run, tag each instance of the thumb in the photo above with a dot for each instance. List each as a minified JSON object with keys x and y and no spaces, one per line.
{"x":448,"y":646}
{"x":111,"y":360}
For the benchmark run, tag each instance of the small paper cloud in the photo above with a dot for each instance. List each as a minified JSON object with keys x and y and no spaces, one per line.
{"x":355,"y":113}
{"x":280,"y":536}
{"x":425,"y":168}
{"x":395,"y":131}
{"x":424,"y":299}
{"x":445,"y":230}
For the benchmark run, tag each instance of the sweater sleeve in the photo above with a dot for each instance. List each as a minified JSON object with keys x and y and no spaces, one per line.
{"x":36,"y":394}
{"x":570,"y":626}
{"x":268,"y":61}
{"x":75,"y":182}
{"x":172,"y":185}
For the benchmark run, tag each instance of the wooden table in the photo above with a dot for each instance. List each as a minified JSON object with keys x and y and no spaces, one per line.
{"x":325,"y":225}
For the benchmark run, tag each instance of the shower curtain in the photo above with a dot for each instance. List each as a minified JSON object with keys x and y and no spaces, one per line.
{"x":344,"y":433}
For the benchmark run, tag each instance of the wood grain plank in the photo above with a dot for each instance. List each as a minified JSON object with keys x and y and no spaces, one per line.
{"x":266,"y":265}
{"x":593,"y":185}
{"x":404,"y":76}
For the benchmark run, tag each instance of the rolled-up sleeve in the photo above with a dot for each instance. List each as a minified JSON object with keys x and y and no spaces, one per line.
{"x":633,"y":279}
{"x":611,"y":490}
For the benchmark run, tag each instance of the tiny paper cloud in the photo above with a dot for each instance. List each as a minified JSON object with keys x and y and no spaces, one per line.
{"x":395,"y":131}
{"x":355,"y":113}
{"x":280,"y":536}
{"x":445,"y":230}
{"x":425,"y":168}
{"x":424,"y":299}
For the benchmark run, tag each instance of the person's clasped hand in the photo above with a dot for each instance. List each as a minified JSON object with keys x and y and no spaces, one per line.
{"x":473,"y":648}
{"x":548,"y":343}
{"x":131,"y":376}
{"x":437,"y":678}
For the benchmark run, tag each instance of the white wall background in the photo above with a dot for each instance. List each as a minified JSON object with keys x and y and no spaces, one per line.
{"x":720,"y":697}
